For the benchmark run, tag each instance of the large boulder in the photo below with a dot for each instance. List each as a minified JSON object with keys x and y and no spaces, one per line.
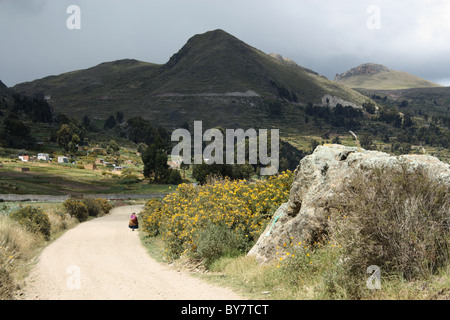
{"x":317,"y":181}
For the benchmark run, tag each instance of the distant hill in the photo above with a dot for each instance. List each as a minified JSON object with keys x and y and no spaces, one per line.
{"x":214,"y":77}
{"x":432,"y":101}
{"x":378,"y":77}
{"x":5,"y":92}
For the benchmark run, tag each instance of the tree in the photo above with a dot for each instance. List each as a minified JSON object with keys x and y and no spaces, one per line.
{"x":326,"y":135}
{"x":71,"y":132}
{"x":16,"y":133}
{"x":141,"y":147}
{"x":200,"y":172}
{"x":64,"y":136}
{"x":161,"y":167}
{"x":366,"y":141}
{"x":390,"y":116}
{"x":155,"y":164}
{"x":404,"y":104}
{"x":86,"y":122}
{"x":175,"y":177}
{"x":407,"y":121}
{"x":370,"y":107}
{"x":112,"y":148}
{"x":36,"y":108}
{"x":140,"y":130}
{"x":275,"y":107}
{"x":110,"y":123}
{"x":119,"y":117}
{"x":73,"y":144}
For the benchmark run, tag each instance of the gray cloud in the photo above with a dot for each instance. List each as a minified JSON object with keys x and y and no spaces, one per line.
{"x":327,"y":36}
{"x":23,"y":7}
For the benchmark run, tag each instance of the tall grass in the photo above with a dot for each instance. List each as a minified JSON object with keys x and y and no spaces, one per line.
{"x":19,"y":243}
{"x":15,"y":243}
{"x":16,"y":237}
{"x":397,"y":219}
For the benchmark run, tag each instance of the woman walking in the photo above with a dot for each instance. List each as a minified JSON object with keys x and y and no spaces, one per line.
{"x":134,"y":223}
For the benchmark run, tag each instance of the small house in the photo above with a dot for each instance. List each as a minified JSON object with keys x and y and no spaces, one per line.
{"x":22,"y":169}
{"x":24,"y":158}
{"x":43,"y":156}
{"x":175,"y":162}
{"x":90,"y":166}
{"x":63,"y":159}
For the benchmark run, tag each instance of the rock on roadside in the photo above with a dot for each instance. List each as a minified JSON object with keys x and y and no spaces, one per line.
{"x":317,"y":180}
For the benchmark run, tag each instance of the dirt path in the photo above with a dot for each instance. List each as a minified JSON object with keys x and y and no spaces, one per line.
{"x":104,"y":259}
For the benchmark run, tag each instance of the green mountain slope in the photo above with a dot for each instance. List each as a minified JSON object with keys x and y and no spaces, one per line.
{"x":5,"y":92}
{"x":434,"y":101}
{"x":378,"y":77}
{"x":215,"y":77}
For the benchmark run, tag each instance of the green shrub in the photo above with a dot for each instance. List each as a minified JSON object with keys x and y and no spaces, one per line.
{"x":151,"y":217}
{"x":104,"y":205}
{"x":175,"y":177}
{"x":76,"y":209}
{"x":397,"y":219}
{"x":93,"y":206}
{"x":216,"y":241}
{"x":34,"y":219}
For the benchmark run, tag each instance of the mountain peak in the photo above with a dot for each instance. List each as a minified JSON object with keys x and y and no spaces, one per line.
{"x":201,"y":44}
{"x":217,"y":33}
{"x":378,"y":77}
{"x":364,"y":69}
{"x":211,"y":64}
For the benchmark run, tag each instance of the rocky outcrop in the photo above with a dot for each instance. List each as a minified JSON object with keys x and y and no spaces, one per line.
{"x":317,"y":181}
{"x":331,"y":101}
{"x":364,"y":69}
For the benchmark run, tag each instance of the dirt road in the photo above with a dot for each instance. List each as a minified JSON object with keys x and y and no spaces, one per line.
{"x":104,"y":259}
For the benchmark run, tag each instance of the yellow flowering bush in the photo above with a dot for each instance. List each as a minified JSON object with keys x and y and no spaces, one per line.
{"x":242,"y":206}
{"x":34,"y":219}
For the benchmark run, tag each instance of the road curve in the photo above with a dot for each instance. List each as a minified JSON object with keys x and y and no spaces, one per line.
{"x":103,"y":259}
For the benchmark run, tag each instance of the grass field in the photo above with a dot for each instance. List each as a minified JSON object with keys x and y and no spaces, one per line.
{"x":58,"y":179}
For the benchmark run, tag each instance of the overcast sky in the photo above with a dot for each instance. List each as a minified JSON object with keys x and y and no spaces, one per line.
{"x":328,"y":36}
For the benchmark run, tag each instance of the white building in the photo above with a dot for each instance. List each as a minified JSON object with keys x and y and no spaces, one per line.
{"x":43,"y":156}
{"x":63,"y":160}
